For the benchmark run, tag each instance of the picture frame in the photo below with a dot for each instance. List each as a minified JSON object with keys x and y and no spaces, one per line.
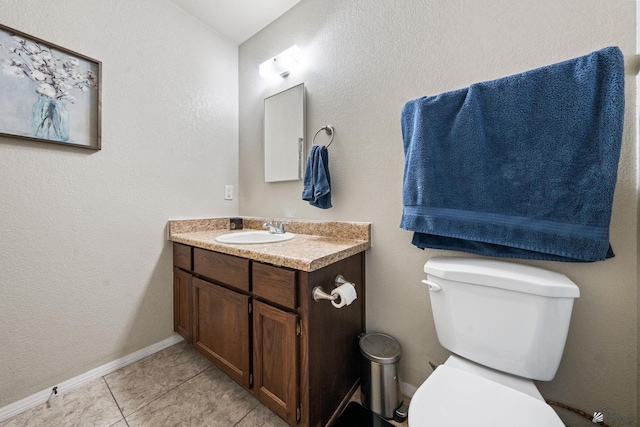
{"x":48,"y":93}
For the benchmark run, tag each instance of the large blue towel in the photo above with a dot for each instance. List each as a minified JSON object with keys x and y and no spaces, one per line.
{"x":523,"y":167}
{"x":317,"y":181}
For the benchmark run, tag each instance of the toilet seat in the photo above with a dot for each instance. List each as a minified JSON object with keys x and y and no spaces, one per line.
{"x":451,"y":397}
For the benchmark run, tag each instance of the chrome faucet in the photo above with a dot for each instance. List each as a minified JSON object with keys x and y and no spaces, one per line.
{"x":274,"y":227}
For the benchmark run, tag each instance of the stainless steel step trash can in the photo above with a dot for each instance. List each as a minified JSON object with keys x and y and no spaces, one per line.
{"x":380,"y":386}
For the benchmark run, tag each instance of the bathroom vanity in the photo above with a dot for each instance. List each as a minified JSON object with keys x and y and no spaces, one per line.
{"x":249,"y":309}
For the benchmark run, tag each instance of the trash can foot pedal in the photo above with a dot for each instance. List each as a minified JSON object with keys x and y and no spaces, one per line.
{"x":400,"y":414}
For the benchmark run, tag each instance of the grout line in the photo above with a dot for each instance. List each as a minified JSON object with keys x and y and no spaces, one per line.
{"x":167,"y":392}
{"x":116,"y":401}
{"x":247,"y":414}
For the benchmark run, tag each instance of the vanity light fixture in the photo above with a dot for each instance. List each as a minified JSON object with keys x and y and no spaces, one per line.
{"x":281,"y":64}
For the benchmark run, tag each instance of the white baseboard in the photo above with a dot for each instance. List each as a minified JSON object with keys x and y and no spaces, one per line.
{"x":36,"y":399}
{"x":407,"y":389}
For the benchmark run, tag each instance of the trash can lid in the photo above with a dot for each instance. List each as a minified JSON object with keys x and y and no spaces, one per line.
{"x":380,"y":348}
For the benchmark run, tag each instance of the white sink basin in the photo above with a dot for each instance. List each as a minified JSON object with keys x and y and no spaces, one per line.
{"x":252,"y":237}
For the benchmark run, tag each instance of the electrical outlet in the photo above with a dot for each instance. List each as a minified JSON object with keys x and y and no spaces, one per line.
{"x":228,"y":192}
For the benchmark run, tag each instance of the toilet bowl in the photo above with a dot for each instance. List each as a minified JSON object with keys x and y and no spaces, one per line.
{"x":506,"y":325}
{"x":457,"y":397}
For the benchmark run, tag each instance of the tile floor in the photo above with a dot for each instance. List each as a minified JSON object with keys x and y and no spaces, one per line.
{"x":174,"y":387}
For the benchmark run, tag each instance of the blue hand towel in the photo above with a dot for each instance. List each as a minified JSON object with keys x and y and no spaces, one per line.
{"x":317,"y":181}
{"x":523,"y":167}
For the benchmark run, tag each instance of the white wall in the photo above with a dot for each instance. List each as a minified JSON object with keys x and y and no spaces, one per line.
{"x":637,"y":119}
{"x":365,"y":60}
{"x":85,"y":267}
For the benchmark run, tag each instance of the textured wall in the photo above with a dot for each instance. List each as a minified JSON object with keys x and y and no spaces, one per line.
{"x":84,"y":261}
{"x":364,"y":61}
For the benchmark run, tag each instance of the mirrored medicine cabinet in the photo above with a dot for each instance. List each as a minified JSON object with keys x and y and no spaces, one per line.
{"x":284,"y":135}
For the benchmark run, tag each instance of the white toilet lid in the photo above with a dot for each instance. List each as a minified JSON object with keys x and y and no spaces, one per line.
{"x":454,"y":398}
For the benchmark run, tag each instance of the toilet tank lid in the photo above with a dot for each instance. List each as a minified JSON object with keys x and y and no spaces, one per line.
{"x":504,"y":275}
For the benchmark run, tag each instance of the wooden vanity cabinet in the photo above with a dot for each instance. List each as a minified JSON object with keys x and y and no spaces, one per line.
{"x":259,"y":324}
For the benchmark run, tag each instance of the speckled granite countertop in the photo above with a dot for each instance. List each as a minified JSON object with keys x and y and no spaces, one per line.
{"x":316,"y":245}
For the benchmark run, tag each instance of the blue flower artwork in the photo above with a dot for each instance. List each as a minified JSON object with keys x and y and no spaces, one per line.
{"x":47,"y":92}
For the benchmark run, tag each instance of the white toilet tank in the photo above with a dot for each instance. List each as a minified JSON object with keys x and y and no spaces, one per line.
{"x":507,"y":316}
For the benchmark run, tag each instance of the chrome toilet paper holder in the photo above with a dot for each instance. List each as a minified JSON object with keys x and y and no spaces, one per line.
{"x":319,"y":294}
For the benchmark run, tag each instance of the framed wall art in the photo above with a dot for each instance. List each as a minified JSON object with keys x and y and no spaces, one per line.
{"x":48,"y":93}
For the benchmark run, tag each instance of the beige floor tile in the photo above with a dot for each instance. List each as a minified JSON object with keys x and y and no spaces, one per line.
{"x":140,"y":383}
{"x":261,"y":416}
{"x":89,"y":405}
{"x":175,"y":387}
{"x":210,"y":399}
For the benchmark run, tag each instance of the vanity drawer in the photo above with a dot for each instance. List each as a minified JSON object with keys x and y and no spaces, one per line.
{"x":182,"y":256}
{"x":227,"y":269}
{"x":275,"y":284}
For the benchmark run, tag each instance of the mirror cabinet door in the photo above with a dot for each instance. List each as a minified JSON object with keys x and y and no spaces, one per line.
{"x":284,"y":135}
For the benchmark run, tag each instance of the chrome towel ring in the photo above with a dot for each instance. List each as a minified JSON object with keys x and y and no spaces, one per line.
{"x":329,"y":130}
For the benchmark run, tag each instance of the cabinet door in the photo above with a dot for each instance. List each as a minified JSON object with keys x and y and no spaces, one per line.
{"x":182,"y":294}
{"x":221,"y":328}
{"x":275,"y":359}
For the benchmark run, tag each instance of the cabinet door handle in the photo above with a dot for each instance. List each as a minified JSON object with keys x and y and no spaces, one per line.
{"x":300,"y":158}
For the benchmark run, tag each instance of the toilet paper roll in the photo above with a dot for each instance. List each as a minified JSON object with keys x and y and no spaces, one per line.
{"x":347,"y":293}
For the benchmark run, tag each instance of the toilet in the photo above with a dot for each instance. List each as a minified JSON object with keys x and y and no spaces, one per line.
{"x":506,"y":325}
